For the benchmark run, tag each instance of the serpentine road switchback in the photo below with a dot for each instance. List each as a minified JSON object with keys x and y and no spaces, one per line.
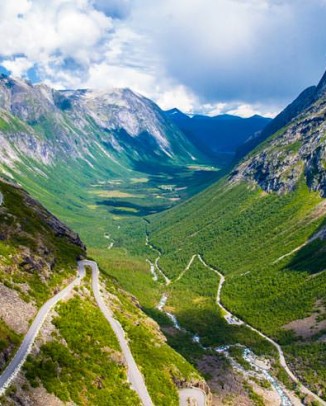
{"x":234,"y":320}
{"x":231,"y":319}
{"x":16,"y":363}
{"x":135,"y":377}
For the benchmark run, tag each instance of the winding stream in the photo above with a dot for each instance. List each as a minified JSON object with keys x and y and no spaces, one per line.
{"x":256,"y":369}
{"x":152,"y":270}
{"x":248,"y":356}
{"x":231,"y":319}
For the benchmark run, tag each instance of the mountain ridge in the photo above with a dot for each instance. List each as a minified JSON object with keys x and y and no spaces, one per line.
{"x":217,"y":135}
{"x":48,"y":124}
{"x":263,"y":228}
{"x":295,"y":151}
{"x":305,"y":99}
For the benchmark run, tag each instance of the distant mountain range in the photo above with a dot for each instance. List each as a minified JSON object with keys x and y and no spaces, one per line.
{"x":219,"y":135}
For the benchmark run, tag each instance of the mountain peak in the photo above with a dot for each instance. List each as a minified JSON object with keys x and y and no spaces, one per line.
{"x":176,"y":113}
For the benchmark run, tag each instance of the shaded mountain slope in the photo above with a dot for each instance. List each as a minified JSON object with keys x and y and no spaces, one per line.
{"x":50,"y":125}
{"x":264,"y":228}
{"x":220,"y":135}
{"x":38,"y":255}
{"x":301,"y":103}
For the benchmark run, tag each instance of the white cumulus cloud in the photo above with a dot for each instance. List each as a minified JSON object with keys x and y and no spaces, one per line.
{"x":213,"y":56}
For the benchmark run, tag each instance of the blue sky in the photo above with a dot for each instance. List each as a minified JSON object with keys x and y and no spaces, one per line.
{"x":210,"y":56}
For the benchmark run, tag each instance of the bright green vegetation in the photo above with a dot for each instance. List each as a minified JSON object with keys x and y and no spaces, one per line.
{"x":31,"y":251}
{"x":162,"y":367}
{"x":302,"y":356}
{"x":160,"y":364}
{"x":238,"y":229}
{"x":193,"y":301}
{"x":104,"y":189}
{"x":9,"y":340}
{"x":243,"y":232}
{"x":87,"y":369}
{"x":132,"y":273}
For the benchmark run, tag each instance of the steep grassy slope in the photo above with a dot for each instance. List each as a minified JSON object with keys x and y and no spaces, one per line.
{"x":37,"y":255}
{"x":244,"y":231}
{"x":271,"y":247}
{"x":82,"y":361}
{"x":76,"y":356}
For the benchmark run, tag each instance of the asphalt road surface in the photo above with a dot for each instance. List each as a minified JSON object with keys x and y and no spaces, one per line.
{"x":16,"y":363}
{"x":135,"y":377}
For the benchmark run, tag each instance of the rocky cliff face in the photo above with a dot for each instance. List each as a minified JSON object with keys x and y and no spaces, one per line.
{"x":305,"y":100}
{"x":37,"y":256}
{"x":297,"y":150}
{"x":48,"y":125}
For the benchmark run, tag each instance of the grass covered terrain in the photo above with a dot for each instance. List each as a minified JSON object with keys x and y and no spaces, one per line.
{"x":255,"y":239}
{"x":162,"y":367}
{"x":193,"y":300}
{"x":36,"y":258}
{"x":237,"y":229}
{"x":132,"y":272}
{"x":107,"y":196}
{"x":85,"y":367}
{"x":82,"y":361}
{"x":244,"y":233}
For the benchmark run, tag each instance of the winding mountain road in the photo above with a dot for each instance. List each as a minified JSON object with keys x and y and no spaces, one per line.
{"x":18,"y":360}
{"x":231,"y":319}
{"x":283,"y":363}
{"x":134,"y":375}
{"x":186,"y":268}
